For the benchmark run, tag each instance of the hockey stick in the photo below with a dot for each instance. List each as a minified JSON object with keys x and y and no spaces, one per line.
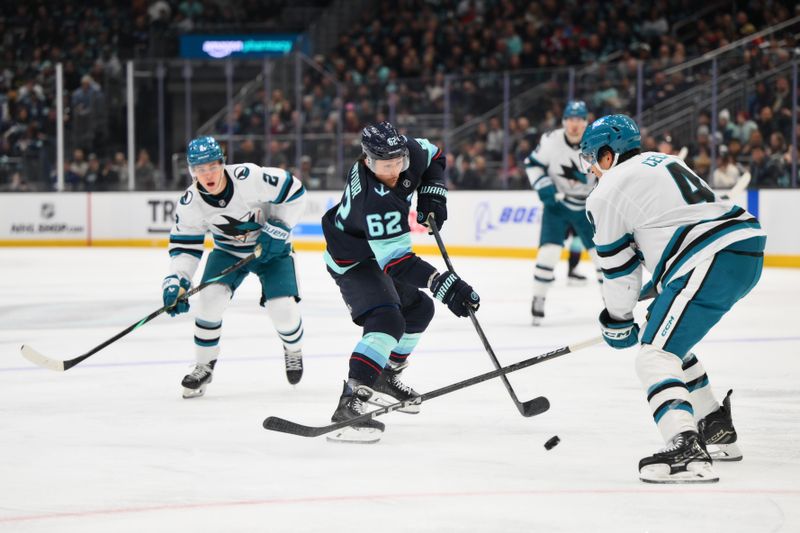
{"x":60,"y":366}
{"x":532,"y":407}
{"x":275,"y":423}
{"x":738,"y":187}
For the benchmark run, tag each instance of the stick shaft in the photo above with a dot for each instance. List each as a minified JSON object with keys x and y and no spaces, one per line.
{"x":239,"y":264}
{"x":488,"y":347}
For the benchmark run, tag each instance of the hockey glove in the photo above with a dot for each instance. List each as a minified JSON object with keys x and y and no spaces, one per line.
{"x":432,"y":198}
{"x":547,"y":195}
{"x":619,"y":334}
{"x":273,"y":240}
{"x":456,"y":293}
{"x":175,"y":287}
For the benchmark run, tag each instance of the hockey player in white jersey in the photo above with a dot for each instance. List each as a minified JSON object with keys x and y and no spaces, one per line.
{"x":554,"y":172}
{"x":650,"y":211}
{"x":241,"y":205}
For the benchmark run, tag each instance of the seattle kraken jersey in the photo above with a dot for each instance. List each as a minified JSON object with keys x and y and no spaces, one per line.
{"x":652,"y":211}
{"x":372,"y":220}
{"x":234,"y":217}
{"x":555,"y":162}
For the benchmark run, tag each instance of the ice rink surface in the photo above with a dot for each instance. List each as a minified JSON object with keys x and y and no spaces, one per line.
{"x":110,"y":446}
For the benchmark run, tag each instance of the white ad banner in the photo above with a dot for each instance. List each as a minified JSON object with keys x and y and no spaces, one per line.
{"x":43,"y":217}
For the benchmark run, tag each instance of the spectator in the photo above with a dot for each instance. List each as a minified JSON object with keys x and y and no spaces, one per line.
{"x":727,"y":172}
{"x":146,"y":174}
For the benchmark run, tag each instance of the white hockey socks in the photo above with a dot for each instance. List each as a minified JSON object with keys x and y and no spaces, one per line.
{"x":208,"y":323}
{"x":544,"y":272}
{"x":667,"y":393}
{"x":285,"y":315}
{"x":702,"y":397}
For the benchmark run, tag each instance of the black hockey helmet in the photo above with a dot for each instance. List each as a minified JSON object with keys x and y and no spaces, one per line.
{"x":381,"y":141}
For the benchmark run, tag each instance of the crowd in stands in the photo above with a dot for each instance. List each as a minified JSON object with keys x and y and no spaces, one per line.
{"x":407,"y":61}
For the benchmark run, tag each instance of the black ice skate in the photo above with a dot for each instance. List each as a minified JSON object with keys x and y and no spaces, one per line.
{"x":388,"y":389}
{"x":294,"y":366}
{"x":685,"y":460}
{"x":194,"y":383}
{"x":351,"y":405}
{"x":718,"y":433}
{"x":575,"y":278}
{"x":537,"y":310}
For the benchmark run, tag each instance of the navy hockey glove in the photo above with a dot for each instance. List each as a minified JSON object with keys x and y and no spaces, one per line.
{"x":174,"y":288}
{"x":273,"y":240}
{"x":619,"y":334}
{"x":456,"y":293}
{"x":432,"y":198}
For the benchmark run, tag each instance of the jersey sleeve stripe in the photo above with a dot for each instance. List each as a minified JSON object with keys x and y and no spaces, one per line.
{"x":531,"y":161}
{"x":610,"y":250}
{"x":623,"y":270}
{"x":285,"y":190}
{"x":300,"y":192}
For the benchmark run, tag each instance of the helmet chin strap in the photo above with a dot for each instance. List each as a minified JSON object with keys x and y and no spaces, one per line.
{"x":613,"y":164}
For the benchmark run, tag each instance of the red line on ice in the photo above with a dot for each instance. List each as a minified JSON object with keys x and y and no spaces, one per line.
{"x":409,"y":496}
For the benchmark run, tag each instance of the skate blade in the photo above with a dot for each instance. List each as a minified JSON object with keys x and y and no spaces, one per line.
{"x":351,"y":435}
{"x":380,"y":399}
{"x":724,"y":452}
{"x":193,"y":393}
{"x":696,"y":472}
{"x":572,"y":282}
{"x":537,"y":320}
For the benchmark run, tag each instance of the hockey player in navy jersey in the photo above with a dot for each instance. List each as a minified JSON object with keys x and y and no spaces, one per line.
{"x":369,"y":256}
{"x":554,"y":172}
{"x":241,"y":205}
{"x":650,"y":211}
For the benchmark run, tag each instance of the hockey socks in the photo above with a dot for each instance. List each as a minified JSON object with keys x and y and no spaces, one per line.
{"x":369,"y":357}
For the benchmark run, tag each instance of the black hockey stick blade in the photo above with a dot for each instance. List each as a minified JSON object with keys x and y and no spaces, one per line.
{"x":274,"y":423}
{"x":43,"y":361}
{"x":535,"y":406}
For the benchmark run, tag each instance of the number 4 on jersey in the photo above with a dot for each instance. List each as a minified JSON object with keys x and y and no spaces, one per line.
{"x":692,"y":188}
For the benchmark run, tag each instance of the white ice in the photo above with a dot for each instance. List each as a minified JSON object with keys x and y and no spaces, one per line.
{"x":110,"y":446}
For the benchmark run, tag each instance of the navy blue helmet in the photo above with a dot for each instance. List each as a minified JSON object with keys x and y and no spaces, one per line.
{"x":381,"y":141}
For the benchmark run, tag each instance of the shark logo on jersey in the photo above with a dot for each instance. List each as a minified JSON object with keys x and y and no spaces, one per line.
{"x":573,"y":173}
{"x":239,"y":229}
{"x":186,"y":199}
{"x":382,"y":191}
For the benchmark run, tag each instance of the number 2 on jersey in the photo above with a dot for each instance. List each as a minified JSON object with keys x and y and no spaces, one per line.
{"x":692,"y":188}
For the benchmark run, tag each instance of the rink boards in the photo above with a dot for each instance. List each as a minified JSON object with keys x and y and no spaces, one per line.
{"x":482,"y":223}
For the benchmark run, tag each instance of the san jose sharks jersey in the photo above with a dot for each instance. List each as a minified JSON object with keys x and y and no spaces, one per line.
{"x":234,"y":217}
{"x":371,"y":220}
{"x":555,"y":162}
{"x":653,"y":212}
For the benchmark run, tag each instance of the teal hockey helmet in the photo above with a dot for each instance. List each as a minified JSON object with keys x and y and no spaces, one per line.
{"x":575,"y":108}
{"x":203,"y":150}
{"x":618,"y":132}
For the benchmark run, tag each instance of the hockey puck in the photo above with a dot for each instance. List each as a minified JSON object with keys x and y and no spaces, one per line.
{"x":552,"y":442}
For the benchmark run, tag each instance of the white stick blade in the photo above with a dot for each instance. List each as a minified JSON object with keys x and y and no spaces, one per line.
{"x":40,"y":360}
